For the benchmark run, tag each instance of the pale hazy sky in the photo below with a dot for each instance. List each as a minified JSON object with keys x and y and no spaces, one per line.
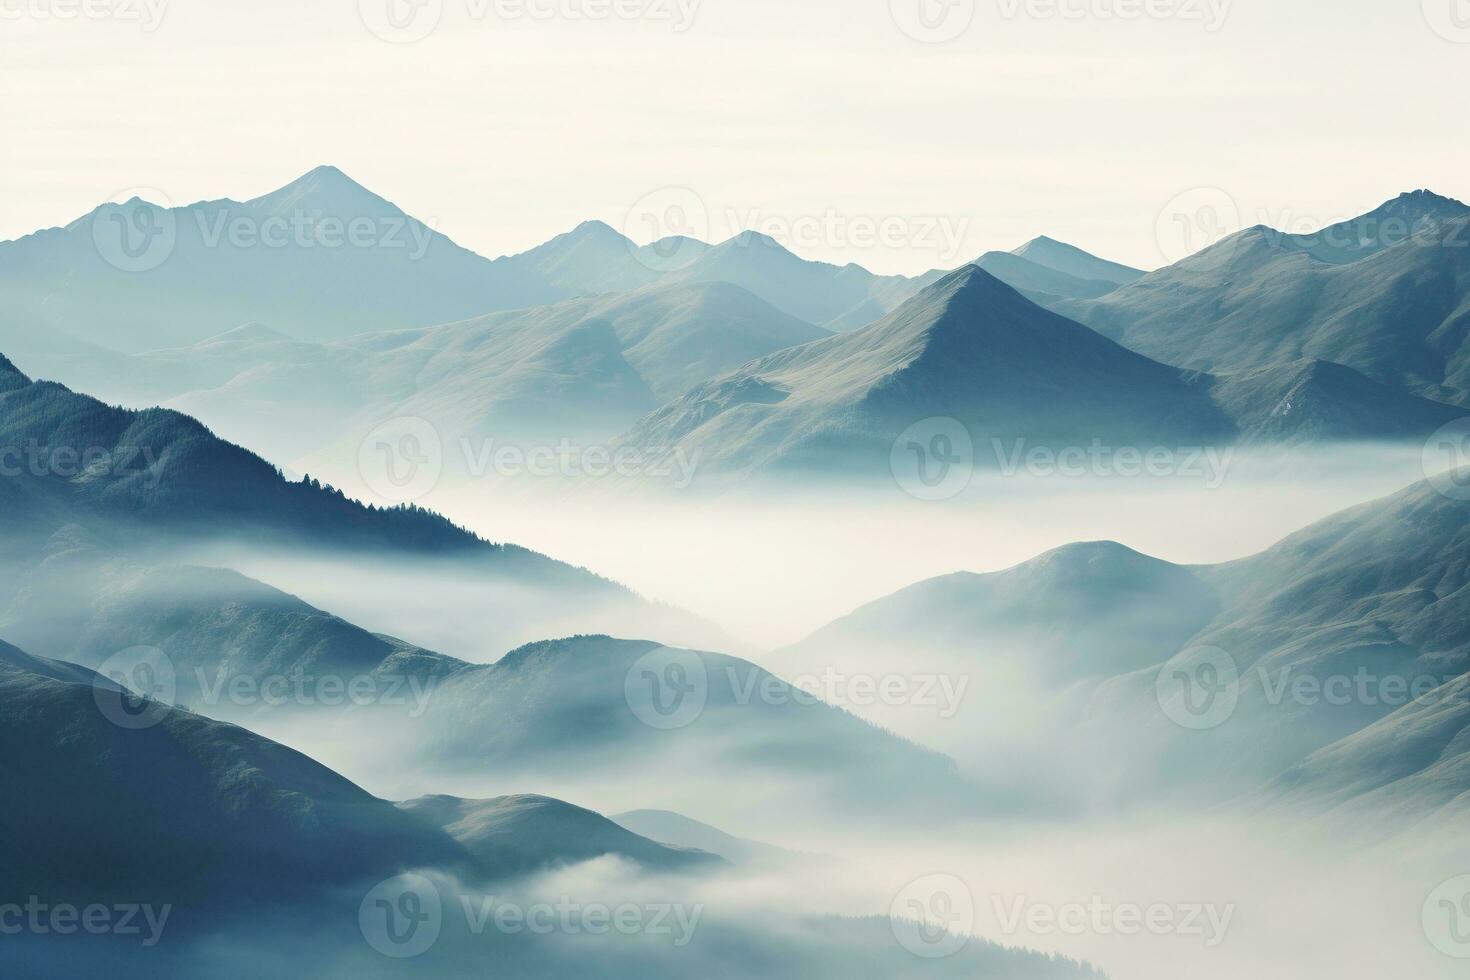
{"x":820,"y":119}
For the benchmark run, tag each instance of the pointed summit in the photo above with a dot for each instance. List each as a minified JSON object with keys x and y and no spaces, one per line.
{"x":1387,"y":225}
{"x":1069,"y":259}
{"x":326,"y":191}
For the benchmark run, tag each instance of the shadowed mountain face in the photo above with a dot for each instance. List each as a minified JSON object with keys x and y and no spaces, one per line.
{"x":972,"y":349}
{"x":151,"y":485}
{"x":200,"y":814}
{"x":80,"y":461}
{"x":1387,"y":294}
{"x":320,"y":258}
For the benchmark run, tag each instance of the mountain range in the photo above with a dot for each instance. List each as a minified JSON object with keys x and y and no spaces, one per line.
{"x":1387,"y":294}
{"x":972,"y":349}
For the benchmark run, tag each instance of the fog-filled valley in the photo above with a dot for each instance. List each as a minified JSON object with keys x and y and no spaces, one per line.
{"x":392,"y":595}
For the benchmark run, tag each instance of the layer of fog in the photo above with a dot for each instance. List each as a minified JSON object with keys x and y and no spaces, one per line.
{"x":770,"y":567}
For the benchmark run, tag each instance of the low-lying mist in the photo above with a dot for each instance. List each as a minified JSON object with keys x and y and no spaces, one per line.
{"x":772,"y":565}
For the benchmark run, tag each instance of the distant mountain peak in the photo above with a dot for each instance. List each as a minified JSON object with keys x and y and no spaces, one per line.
{"x":1426,"y":195}
{"x":1062,"y":257}
{"x":748,"y":238}
{"x":325,"y":190}
{"x":1415,"y":206}
{"x":595,"y":229}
